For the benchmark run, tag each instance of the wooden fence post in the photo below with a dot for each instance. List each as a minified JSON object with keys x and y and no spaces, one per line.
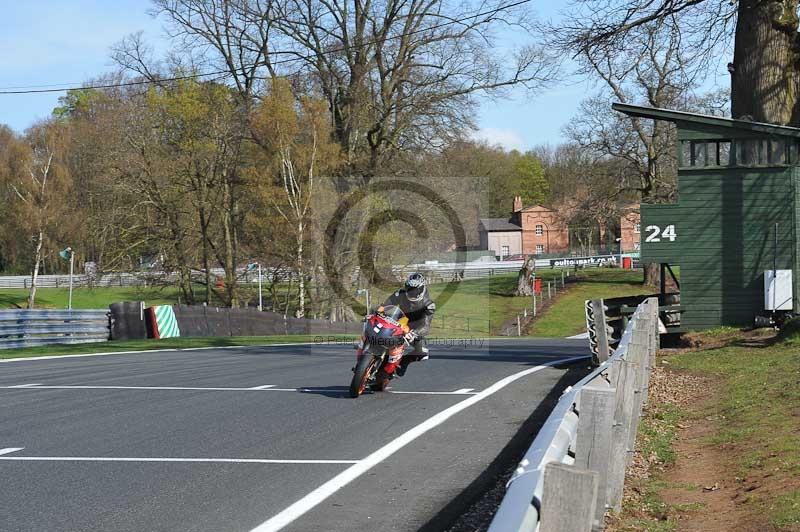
{"x":568,"y":499}
{"x":593,"y":445}
{"x":636,"y":352}
{"x":643,"y":341}
{"x":623,"y":411}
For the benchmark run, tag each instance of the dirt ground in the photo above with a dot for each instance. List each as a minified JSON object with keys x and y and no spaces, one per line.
{"x":697,"y":490}
{"x":701,"y":484}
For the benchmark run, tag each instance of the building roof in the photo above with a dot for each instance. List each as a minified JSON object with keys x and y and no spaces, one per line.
{"x":705,"y":120}
{"x":499,"y":224}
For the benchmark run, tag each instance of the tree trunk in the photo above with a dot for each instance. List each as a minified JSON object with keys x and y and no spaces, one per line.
{"x":652,"y":274}
{"x":301,"y":298}
{"x":35,"y":275}
{"x":206,"y":265}
{"x":524,"y":279}
{"x":288,"y":296}
{"x":764,"y":73}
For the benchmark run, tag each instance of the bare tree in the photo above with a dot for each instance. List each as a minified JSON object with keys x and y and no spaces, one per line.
{"x":764,"y":71}
{"x":650,"y":68}
{"x":40,"y":182}
{"x":396,"y":75}
{"x":298,"y":142}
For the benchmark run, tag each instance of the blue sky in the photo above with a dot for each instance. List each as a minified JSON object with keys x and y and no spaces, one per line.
{"x":58,"y":42}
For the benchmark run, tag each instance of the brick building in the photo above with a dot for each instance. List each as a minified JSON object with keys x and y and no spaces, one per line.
{"x":536,"y":230}
{"x":630,"y":229}
{"x":529,"y":230}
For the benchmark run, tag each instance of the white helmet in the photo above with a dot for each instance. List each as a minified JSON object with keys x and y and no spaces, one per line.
{"x":415,"y":287}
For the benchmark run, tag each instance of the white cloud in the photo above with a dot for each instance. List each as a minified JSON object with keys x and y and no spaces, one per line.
{"x":504,"y":137}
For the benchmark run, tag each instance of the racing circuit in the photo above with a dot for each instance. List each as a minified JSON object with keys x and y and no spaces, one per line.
{"x":266,"y":438}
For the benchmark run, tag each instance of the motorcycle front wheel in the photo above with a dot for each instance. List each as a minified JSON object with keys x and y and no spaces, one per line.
{"x":361,"y":375}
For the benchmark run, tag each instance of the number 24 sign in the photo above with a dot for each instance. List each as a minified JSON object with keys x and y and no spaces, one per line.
{"x":655,"y":234}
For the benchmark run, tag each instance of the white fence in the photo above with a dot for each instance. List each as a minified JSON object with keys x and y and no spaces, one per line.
{"x":437,"y":271}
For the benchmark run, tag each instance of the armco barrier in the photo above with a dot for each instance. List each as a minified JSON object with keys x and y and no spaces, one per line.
{"x":25,"y":328}
{"x":575,"y":468}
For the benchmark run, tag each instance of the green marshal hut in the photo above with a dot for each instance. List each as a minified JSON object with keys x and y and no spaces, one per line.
{"x":734,"y":230}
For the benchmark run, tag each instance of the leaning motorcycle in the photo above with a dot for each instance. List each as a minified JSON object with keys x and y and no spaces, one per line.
{"x":381,"y":348}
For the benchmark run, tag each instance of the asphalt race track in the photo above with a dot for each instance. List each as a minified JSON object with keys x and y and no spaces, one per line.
{"x":266,"y":438}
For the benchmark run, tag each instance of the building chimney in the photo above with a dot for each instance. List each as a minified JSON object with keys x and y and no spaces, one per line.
{"x":517,"y":203}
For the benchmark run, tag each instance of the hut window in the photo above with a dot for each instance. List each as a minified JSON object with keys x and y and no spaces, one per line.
{"x":699,"y":154}
{"x":747,"y":152}
{"x":777,"y":153}
{"x":686,"y":153}
{"x":724,"y":153}
{"x":705,"y":153}
{"x":792,"y":152}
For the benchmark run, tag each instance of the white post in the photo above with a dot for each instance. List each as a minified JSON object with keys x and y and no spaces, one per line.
{"x":71,"y":266}
{"x":260,"y":301}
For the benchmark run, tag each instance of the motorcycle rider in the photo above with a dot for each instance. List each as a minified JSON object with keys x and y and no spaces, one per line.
{"x":415,"y":302}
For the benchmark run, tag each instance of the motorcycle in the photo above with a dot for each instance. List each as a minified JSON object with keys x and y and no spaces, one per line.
{"x":381,"y":348}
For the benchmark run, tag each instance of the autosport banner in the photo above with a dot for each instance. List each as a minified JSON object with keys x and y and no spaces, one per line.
{"x":597,"y":260}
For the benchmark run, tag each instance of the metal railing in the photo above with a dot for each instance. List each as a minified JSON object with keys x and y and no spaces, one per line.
{"x":438,"y":272}
{"x":26,"y":328}
{"x":575,"y":468}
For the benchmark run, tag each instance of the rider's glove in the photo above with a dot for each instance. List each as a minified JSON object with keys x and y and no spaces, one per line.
{"x":411,"y":336}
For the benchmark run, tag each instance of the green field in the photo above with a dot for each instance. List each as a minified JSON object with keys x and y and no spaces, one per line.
{"x":56,"y":298}
{"x":566,"y":316}
{"x":480,"y":307}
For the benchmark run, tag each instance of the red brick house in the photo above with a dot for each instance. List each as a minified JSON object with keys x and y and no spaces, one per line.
{"x":537,"y":229}
{"x":630,"y":229}
{"x":530,"y":230}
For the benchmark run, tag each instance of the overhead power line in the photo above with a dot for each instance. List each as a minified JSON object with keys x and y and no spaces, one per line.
{"x":221,"y":73}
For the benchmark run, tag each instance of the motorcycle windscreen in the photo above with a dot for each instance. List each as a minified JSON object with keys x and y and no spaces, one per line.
{"x":392,"y":312}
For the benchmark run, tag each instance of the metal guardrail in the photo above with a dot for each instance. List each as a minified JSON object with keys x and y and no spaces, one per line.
{"x":575,"y":468}
{"x":26,"y":328}
{"x":442,"y":271}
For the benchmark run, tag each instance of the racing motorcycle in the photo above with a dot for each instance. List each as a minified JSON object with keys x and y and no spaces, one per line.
{"x":381,"y":348}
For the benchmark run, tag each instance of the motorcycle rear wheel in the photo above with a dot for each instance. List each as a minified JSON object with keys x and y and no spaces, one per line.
{"x":361,"y":375}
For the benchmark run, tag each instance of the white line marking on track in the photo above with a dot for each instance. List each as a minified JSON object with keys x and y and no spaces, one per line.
{"x":10,"y":450}
{"x":465,"y":391}
{"x":148,"y":459}
{"x":173,"y":350}
{"x":265,"y":388}
{"x":87,"y":387}
{"x":307,"y":503}
{"x":581,"y":336}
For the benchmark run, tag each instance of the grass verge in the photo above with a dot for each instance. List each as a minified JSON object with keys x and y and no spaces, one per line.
{"x":565,"y":317}
{"x":752,"y":432}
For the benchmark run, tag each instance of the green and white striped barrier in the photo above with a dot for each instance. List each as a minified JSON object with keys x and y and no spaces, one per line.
{"x":166,"y":323}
